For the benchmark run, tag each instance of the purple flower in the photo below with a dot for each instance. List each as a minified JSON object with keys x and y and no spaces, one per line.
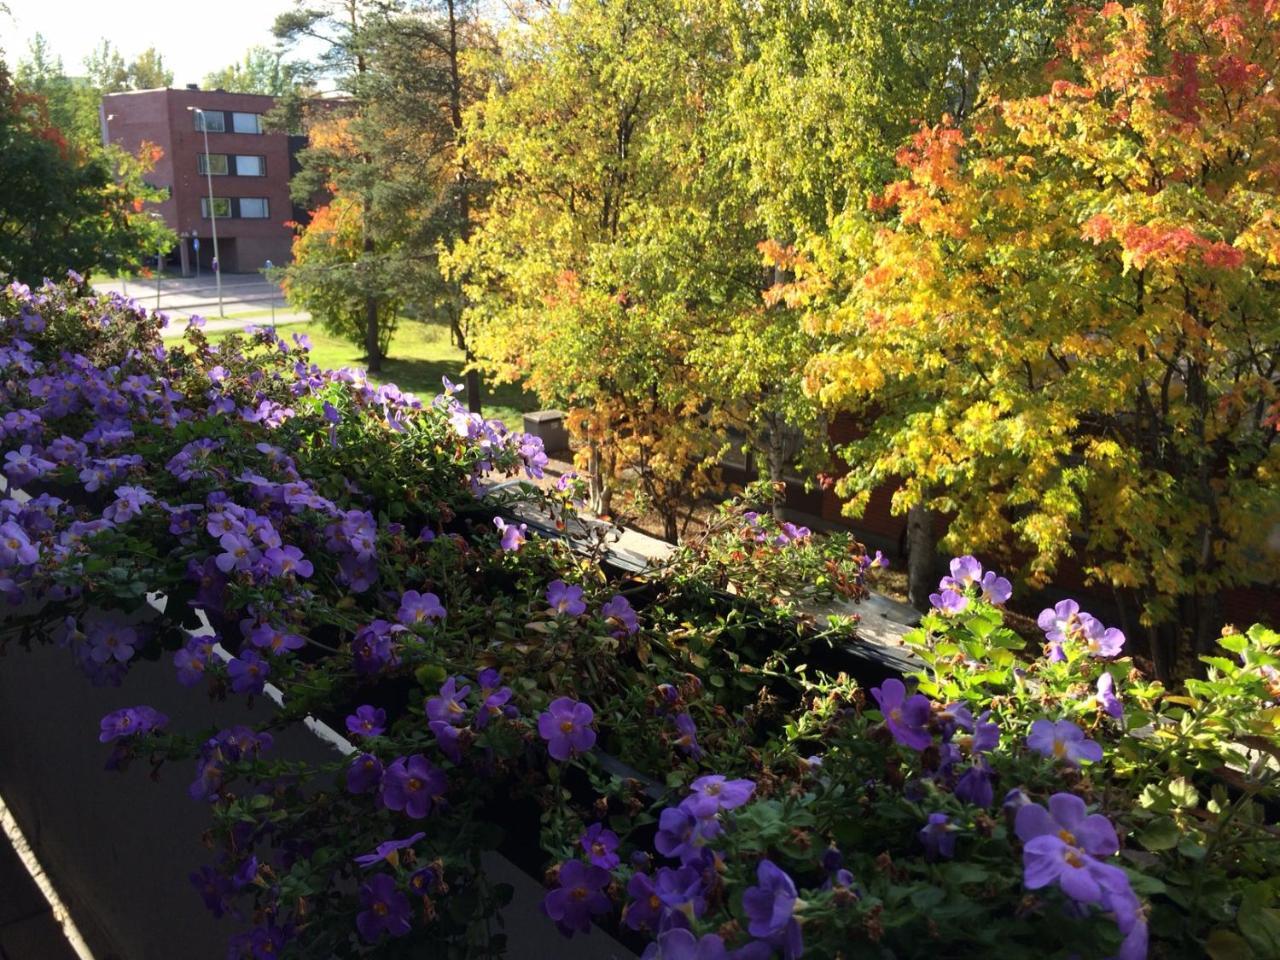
{"x":579,"y":897}
{"x":996,"y":589}
{"x":1102,"y":641}
{"x":770,"y":909}
{"x":367,"y":721}
{"x":412,"y":784}
{"x":677,"y":943}
{"x":1060,"y":845}
{"x":1107,"y":698}
{"x":16,"y":548}
{"x":512,"y":535}
{"x":688,"y":739}
{"x":129,"y":504}
{"x":238,"y":552}
{"x":371,"y":649}
{"x":248,"y":672}
{"x":388,"y":851}
{"x":386,"y":909}
{"x":192,"y":660}
{"x":682,"y":833}
{"x":130,"y":722}
{"x":601,"y":846}
{"x":111,"y":640}
{"x":275,"y":640}
{"x":448,"y":739}
{"x":965,"y":571}
{"x":495,"y":700}
{"x":364,"y":773}
{"x":565,"y":599}
{"x":939,"y":837}
{"x":975,"y":785}
{"x":288,"y":560}
{"x":449,"y":707}
{"x":948,"y":599}
{"x":1062,"y":621}
{"x":711,"y":794}
{"x":566,"y":726}
{"x":1062,"y":740}
{"x":906,"y":717}
{"x":416,"y":607}
{"x":619,"y":611}
{"x":24,"y":465}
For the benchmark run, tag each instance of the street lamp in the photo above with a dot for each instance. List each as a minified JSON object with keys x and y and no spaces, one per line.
{"x":213,"y":213}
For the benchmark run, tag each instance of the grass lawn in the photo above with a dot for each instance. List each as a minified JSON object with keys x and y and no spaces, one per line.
{"x":420,"y":355}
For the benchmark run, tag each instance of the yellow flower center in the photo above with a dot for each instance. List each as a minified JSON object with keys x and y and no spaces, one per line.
{"x":566,"y":726}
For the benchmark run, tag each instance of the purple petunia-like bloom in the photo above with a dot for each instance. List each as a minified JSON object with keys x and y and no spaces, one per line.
{"x":770,"y":909}
{"x":111,"y":639}
{"x":238,"y":552}
{"x":906,"y":717}
{"x":1062,"y":845}
{"x":565,"y":599}
{"x":367,"y":721}
{"x":386,"y":909}
{"x":388,"y":851}
{"x":416,"y":608}
{"x":1062,"y":740}
{"x":192,"y":660}
{"x":1107,"y":699}
{"x":620,"y":613}
{"x":711,"y":794}
{"x":682,"y":834}
{"x":16,"y":548}
{"x":248,"y":672}
{"x":566,"y":726}
{"x":965,"y":571}
{"x":688,"y":738}
{"x":130,"y":722}
{"x":513,"y":535}
{"x":600,"y":845}
{"x":579,"y":897}
{"x":949,"y":599}
{"x":995,"y":588}
{"x":287,"y":560}
{"x":677,"y":943}
{"x":364,"y":773}
{"x":939,"y":837}
{"x":450,"y":706}
{"x":1062,"y":621}
{"x":1102,"y":641}
{"x":412,"y":784}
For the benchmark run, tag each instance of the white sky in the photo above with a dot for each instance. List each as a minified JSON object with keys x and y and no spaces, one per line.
{"x":194,"y":38}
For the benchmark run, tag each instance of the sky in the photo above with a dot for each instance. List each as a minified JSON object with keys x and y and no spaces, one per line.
{"x":194,"y":38}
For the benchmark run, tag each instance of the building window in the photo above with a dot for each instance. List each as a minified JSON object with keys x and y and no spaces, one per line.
{"x":251,"y":166}
{"x":221,"y":207}
{"x":246,"y":122}
{"x":213,"y":121}
{"x":215,"y":163}
{"x":253,"y":208}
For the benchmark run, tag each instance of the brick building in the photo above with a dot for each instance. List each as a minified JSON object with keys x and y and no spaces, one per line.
{"x":250,"y":169}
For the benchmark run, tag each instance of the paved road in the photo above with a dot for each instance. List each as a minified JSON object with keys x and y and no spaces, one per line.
{"x":183,"y":297}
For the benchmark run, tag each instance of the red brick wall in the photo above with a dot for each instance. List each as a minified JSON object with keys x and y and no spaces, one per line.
{"x":162,"y":117}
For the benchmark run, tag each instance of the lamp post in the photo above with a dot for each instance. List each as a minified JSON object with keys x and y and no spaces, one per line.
{"x":213,"y":213}
{"x":266,"y":272}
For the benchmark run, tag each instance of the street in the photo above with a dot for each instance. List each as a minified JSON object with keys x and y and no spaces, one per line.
{"x":247,"y":300}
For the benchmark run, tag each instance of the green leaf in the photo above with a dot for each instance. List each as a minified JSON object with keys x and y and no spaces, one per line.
{"x":1223,"y":944}
{"x":1161,"y":834}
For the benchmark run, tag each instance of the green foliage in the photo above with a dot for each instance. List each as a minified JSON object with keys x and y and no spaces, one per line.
{"x":261,"y":71}
{"x":64,"y":205}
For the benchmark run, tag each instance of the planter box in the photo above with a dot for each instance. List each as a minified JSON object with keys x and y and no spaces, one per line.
{"x":548,"y":426}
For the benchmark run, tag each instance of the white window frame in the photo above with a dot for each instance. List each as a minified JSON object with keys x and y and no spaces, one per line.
{"x":203,"y":158}
{"x":218,"y":202}
{"x":235,"y":122}
{"x":220,"y":121}
{"x":257,"y":158}
{"x":266,"y":208}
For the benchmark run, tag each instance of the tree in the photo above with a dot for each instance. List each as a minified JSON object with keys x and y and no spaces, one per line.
{"x":608,"y":242}
{"x":148,"y":72}
{"x":1066,"y":325}
{"x":827,"y":92}
{"x":261,"y":71}
{"x":106,"y":69}
{"x":72,"y":105}
{"x":396,"y":158}
{"x":66,"y":208}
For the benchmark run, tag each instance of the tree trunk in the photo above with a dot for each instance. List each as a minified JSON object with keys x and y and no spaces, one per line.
{"x":777,"y":464}
{"x":670,"y":526}
{"x":921,"y":553}
{"x":463,"y":197}
{"x":599,"y":486}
